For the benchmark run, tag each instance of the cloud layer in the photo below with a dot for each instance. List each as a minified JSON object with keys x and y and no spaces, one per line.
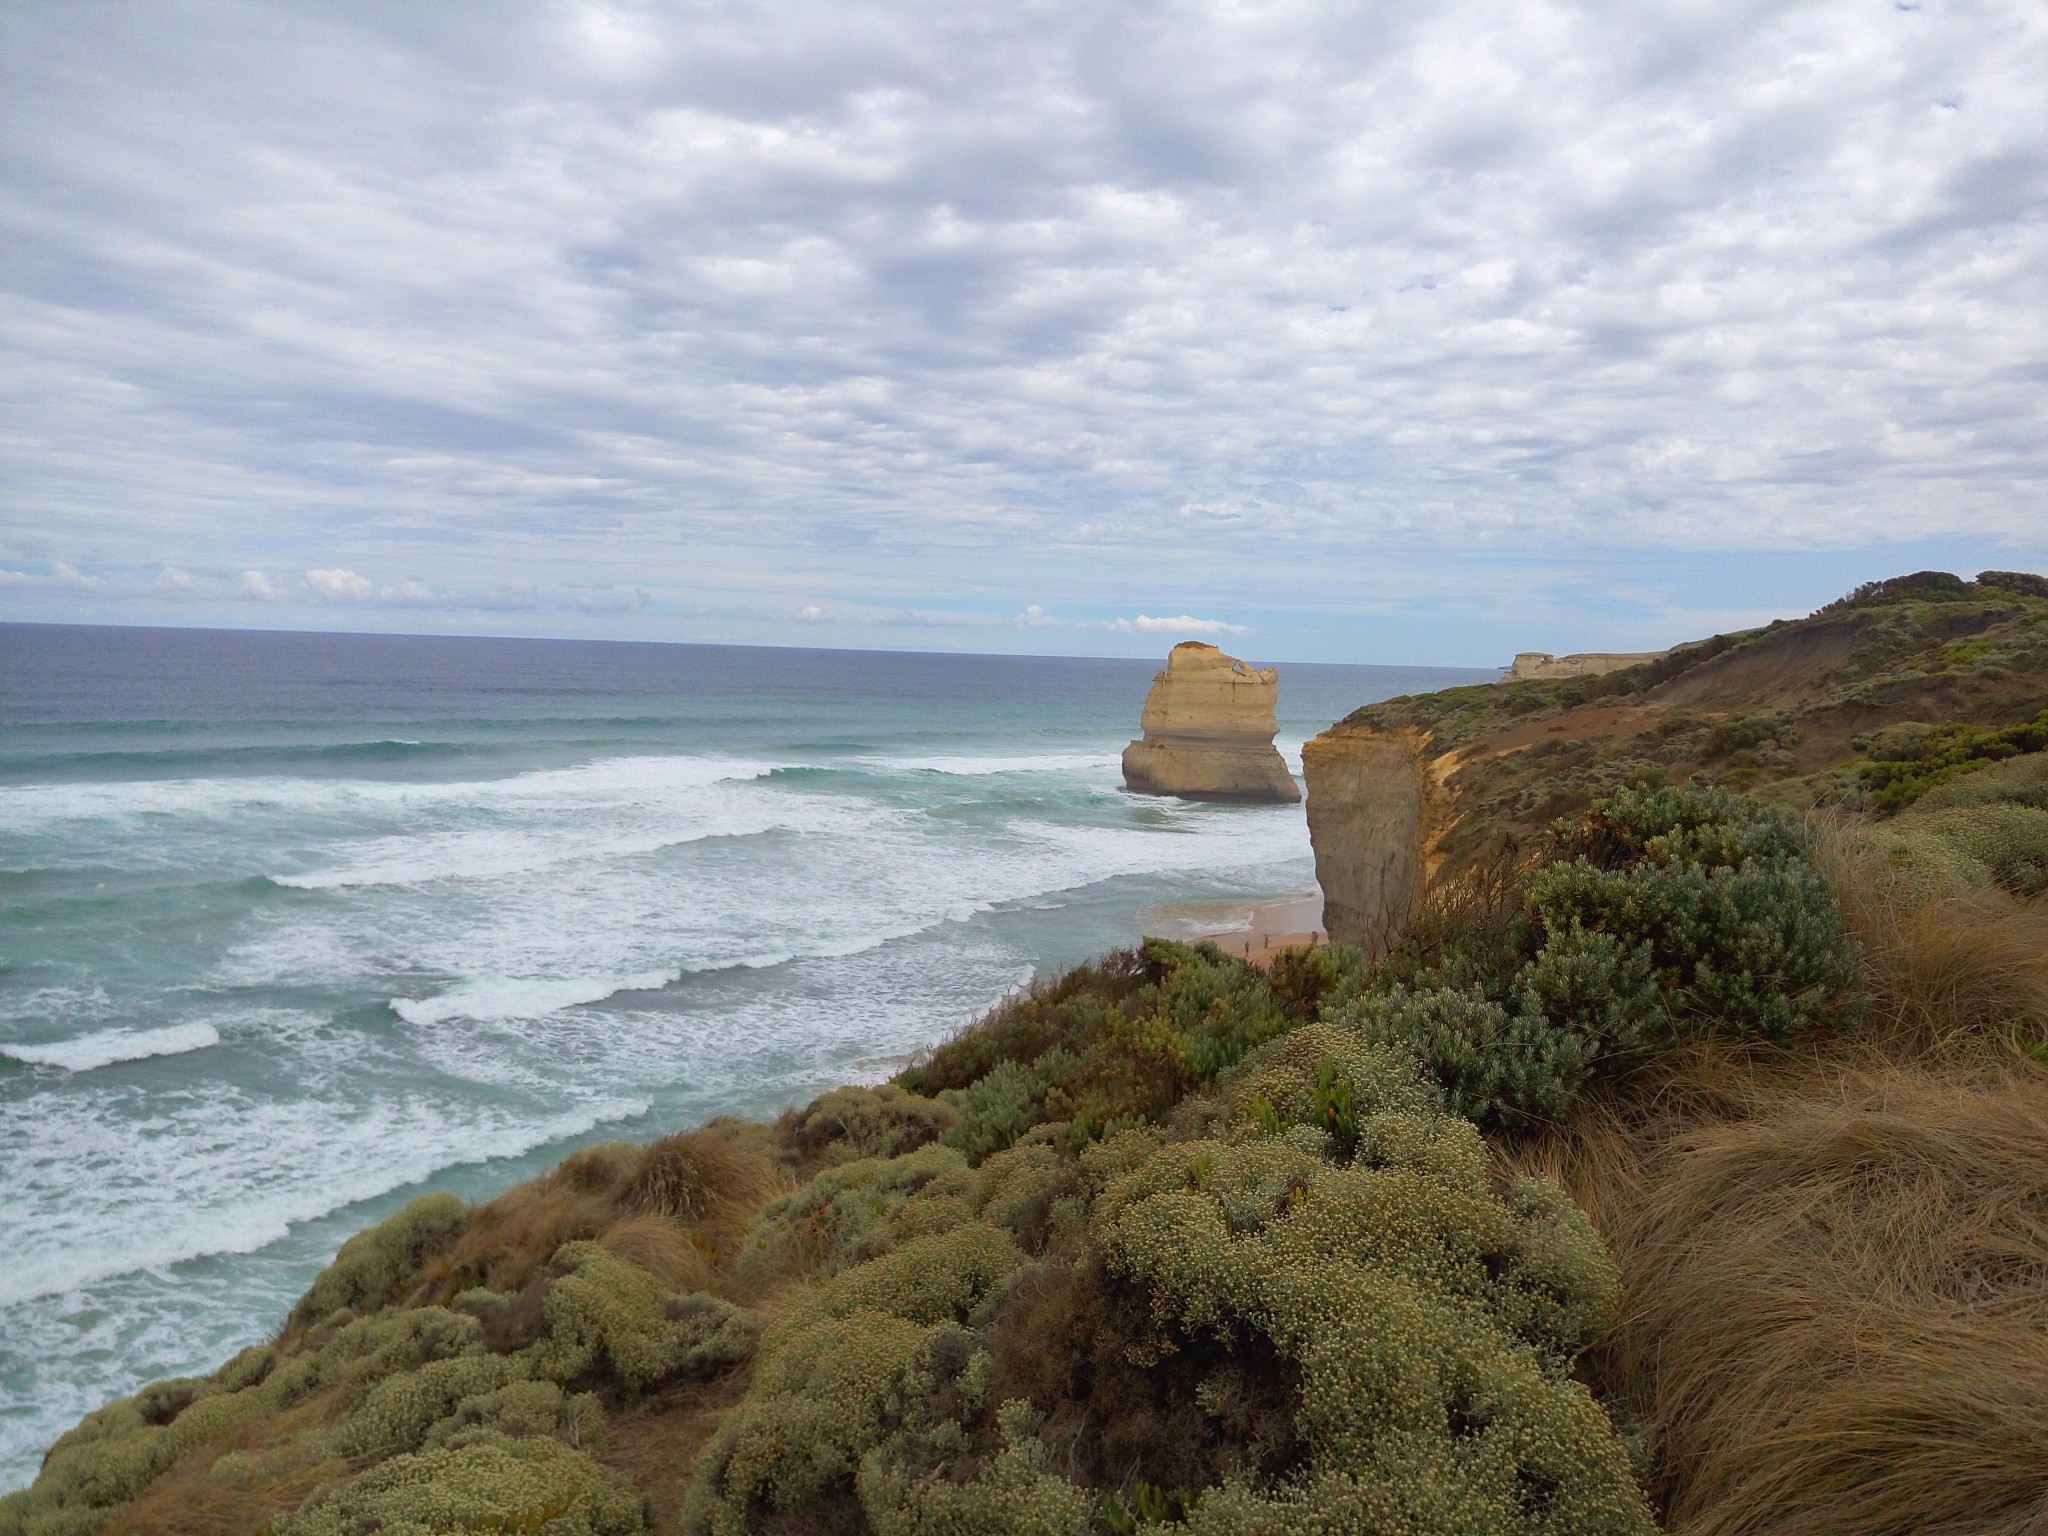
{"x":774,"y":322}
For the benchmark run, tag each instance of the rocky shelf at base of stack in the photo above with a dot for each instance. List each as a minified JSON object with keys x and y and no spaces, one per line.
{"x":1209,"y":730}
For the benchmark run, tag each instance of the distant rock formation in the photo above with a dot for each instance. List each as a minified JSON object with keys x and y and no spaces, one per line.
{"x":1209,"y":730}
{"x":1535,"y":664}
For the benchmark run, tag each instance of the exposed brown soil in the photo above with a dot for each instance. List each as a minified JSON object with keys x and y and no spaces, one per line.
{"x":1794,"y":668}
{"x":656,"y":1443}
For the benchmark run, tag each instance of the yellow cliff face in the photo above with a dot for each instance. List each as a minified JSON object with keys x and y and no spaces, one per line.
{"x":1376,"y":802}
{"x":1861,"y":706}
{"x":1529,"y":664}
{"x":1209,"y":730}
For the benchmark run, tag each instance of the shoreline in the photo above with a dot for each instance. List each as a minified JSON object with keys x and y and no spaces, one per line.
{"x":1254,"y":931}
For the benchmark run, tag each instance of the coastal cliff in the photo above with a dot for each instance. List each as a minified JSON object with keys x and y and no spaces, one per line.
{"x":1375,"y":799}
{"x":1881,"y":688}
{"x":1533,"y":664}
{"x":1095,"y":1263}
{"x":1209,"y":728}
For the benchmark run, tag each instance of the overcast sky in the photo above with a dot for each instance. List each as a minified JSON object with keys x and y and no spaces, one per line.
{"x":1379,"y":332}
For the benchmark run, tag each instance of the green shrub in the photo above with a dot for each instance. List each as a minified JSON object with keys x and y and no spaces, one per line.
{"x":1739,"y":925}
{"x":1967,"y":847}
{"x":840,"y":1216}
{"x":997,"y":1108}
{"x":1903,"y":764}
{"x":1067,"y":1010}
{"x":851,"y":1123}
{"x":479,"y":1481}
{"x":2016,"y":781}
{"x":2024,"y":582}
{"x":1498,"y":1068}
{"x":521,"y":1409}
{"x":374,"y":1263}
{"x":611,"y":1317}
{"x":816,"y":1405}
{"x":1664,"y":908}
{"x":2009,"y":841}
{"x":400,"y":1409}
{"x":1349,"y":1254}
{"x":1112,"y":1044}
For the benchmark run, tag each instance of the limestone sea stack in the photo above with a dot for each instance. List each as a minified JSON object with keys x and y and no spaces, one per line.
{"x":1209,"y":730}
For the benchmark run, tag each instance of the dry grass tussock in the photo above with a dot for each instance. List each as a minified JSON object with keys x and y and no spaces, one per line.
{"x":678,"y":1207}
{"x":1944,"y":964}
{"x":1836,"y":1258}
{"x":190,"y":1502}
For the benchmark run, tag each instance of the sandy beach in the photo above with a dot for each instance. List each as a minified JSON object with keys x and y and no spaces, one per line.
{"x":1254,"y":930}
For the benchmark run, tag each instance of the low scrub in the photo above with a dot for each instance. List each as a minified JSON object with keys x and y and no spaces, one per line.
{"x":1904,"y":763}
{"x":1661,"y":914}
{"x":1172,"y":1242}
{"x":1833,"y":1253}
{"x":1271,"y":1327}
{"x":406,"y":1394}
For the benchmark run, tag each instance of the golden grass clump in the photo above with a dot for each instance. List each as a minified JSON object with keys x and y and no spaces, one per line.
{"x":666,"y":1251}
{"x":691,"y":1193}
{"x":1835,"y":1256}
{"x":1948,"y":963}
{"x":1838,"y":1296}
{"x":715,"y":1179}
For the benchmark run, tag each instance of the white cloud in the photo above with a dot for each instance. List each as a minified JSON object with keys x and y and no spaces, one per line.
{"x":1036,"y":617}
{"x":609,"y":599}
{"x":59,"y":577}
{"x":1217,"y":309}
{"x":258,"y":584}
{"x":341,"y":585}
{"x":1182,"y":624}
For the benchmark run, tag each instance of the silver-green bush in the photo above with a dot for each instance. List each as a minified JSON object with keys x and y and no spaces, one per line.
{"x":1428,"y":1321}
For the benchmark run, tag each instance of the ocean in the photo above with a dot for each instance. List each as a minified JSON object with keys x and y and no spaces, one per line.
{"x":294,"y":926}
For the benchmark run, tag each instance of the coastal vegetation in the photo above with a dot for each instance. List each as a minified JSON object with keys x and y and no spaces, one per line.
{"x":1863,"y":706}
{"x":1680,"y":1165}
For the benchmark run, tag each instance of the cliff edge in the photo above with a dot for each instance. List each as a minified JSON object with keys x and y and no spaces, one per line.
{"x":1375,"y":806}
{"x":1209,"y":729}
{"x":1900,"y":683}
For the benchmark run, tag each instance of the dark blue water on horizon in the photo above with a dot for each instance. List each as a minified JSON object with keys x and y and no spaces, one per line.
{"x":295,"y":925}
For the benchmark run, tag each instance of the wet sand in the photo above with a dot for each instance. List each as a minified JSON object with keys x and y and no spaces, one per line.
{"x":1255,"y":931}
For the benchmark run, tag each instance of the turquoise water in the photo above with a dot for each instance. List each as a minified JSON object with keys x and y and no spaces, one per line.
{"x":295,"y":926}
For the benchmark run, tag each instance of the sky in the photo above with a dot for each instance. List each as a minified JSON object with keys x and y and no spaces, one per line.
{"x":1329,"y":332}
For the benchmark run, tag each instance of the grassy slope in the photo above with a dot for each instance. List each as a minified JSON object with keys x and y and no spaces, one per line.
{"x":1802,"y":712}
{"x":1150,"y":1198}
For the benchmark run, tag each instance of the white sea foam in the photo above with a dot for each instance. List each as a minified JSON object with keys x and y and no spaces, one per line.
{"x":26,"y":807}
{"x":981,"y":767}
{"x":96,"y":1190}
{"x":515,"y":998}
{"x":520,"y":949}
{"x":619,"y":810}
{"x":421,"y":860}
{"x":104,"y":1047}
